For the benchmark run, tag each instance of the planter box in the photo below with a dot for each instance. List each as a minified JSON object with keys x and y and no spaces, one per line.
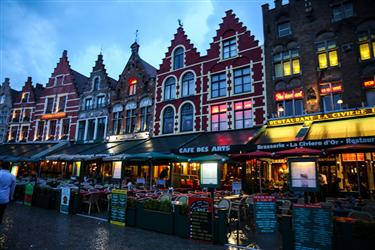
{"x":353,"y":236}
{"x":154,"y":220}
{"x":181,"y":223}
{"x":131,"y":217}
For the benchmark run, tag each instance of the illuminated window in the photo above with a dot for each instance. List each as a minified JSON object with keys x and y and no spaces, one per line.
{"x":16,"y":115}
{"x":218,"y":85}
{"x":366,"y":41}
{"x":130,"y":117}
{"x":327,"y":54}
{"x":178,"y":58}
{"x":284,"y":29}
{"x":331,"y":94}
{"x":27,"y":115}
{"x":170,"y":89}
{"x":286,"y":63}
{"x":132,"y":86}
{"x":24,"y":133}
{"x":187,"y":114}
{"x":219,"y":117}
{"x":168,"y":121}
{"x":188,"y":84}
{"x":242,"y":80}
{"x":25,"y":97}
{"x":289,"y":103}
{"x":229,"y":48}
{"x":342,"y":11}
{"x":243,"y":115}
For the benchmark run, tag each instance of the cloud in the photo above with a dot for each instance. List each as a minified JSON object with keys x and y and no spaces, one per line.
{"x":29,"y":45}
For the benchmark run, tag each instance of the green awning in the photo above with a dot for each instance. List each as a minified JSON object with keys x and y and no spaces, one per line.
{"x":213,"y":157}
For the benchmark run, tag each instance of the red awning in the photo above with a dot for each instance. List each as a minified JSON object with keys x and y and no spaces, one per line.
{"x":299,"y":151}
{"x":251,"y":155}
{"x":352,"y":148}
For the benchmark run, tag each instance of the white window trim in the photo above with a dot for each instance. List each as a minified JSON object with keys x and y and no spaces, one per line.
{"x":210,"y":116}
{"x":172,"y":58}
{"x":181,"y":81}
{"x":180,"y":117}
{"x":209,"y":76}
{"x":163,"y":88}
{"x":46,"y":103}
{"x":162,"y":119}
{"x":93,"y":83}
{"x":250,"y":66}
{"x":221,"y":47}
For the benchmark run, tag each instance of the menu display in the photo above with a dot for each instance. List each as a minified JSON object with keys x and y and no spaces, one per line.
{"x":312,"y":227}
{"x":265,"y":213}
{"x":201,"y":212}
{"x":303,"y":174}
{"x":118,"y":206}
{"x":65,"y":198}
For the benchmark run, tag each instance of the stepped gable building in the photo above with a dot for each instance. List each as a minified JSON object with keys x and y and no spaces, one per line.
{"x":56,"y":111}
{"x":95,"y":100}
{"x":221,"y":91}
{"x":22,"y":113}
{"x":132,"y":103}
{"x":7,"y":97}
{"x":319,"y":56}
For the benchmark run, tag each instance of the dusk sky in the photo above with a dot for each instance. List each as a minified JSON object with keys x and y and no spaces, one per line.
{"x":35,"y":32}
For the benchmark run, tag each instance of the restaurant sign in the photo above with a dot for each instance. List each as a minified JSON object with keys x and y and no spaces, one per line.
{"x":54,"y":116}
{"x":322,"y":117}
{"x":317,"y":143}
{"x":205,"y":149}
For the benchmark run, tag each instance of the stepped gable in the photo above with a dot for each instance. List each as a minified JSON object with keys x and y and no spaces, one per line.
{"x":27,"y":87}
{"x":191,"y":53}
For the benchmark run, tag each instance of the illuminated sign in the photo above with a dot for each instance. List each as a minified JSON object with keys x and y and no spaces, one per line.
{"x":209,"y":174}
{"x":369,"y":84}
{"x":53,"y":116}
{"x":303,"y":174}
{"x":281,"y":96}
{"x":322,"y":117}
{"x":333,"y":89}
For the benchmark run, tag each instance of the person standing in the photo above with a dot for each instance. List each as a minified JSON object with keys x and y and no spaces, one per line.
{"x":7,"y":187}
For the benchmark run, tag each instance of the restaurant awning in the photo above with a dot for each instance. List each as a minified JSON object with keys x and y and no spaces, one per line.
{"x":251,"y":155}
{"x":155,"y":156}
{"x":25,"y":151}
{"x":213,"y":157}
{"x":219,"y":142}
{"x":298,"y":151}
{"x":352,"y":148}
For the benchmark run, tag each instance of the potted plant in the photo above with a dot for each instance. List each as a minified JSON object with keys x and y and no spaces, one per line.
{"x":181,"y":220}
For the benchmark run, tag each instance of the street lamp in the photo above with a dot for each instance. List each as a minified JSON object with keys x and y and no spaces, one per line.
{"x":340,"y":102}
{"x":280,"y":110}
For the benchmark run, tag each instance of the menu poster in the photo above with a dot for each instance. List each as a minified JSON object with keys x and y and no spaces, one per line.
{"x":312,"y":227}
{"x":118,"y":206}
{"x":200,"y":213}
{"x":265,"y":213}
{"x":303,"y":174}
{"x":236,"y":187}
{"x":65,"y":198}
{"x":29,"y":190}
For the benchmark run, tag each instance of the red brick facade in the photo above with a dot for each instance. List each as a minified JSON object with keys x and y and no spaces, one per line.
{"x":245,"y":54}
{"x":56,"y":111}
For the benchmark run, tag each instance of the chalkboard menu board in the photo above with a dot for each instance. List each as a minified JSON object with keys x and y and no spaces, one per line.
{"x":265,"y":213}
{"x":29,"y":190}
{"x":118,"y":206}
{"x":312,"y":227}
{"x":200,"y":212}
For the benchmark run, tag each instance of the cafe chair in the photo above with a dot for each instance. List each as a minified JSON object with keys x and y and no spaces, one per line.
{"x":364,"y":216}
{"x":226,"y":205}
{"x":238,"y":207}
{"x":182,"y":200}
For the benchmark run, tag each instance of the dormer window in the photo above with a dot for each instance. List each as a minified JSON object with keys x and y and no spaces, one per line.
{"x":25,"y":97}
{"x":178,"y":58}
{"x":229,"y":48}
{"x":96,"y":84}
{"x":132,"y":86}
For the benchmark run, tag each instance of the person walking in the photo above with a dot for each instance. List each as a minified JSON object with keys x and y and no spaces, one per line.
{"x":7,"y":186}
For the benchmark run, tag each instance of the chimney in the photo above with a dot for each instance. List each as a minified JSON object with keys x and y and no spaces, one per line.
{"x":265,"y":7}
{"x":65,"y":53}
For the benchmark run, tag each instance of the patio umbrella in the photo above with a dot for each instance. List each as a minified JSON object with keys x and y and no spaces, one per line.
{"x":251,"y":155}
{"x":214,"y":157}
{"x":299,"y":151}
{"x":352,"y":148}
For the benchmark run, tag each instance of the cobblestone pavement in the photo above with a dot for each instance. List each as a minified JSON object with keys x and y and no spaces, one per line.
{"x":36,"y":228}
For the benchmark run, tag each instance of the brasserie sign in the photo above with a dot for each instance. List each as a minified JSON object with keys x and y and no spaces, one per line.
{"x":322,"y":117}
{"x":317,"y":143}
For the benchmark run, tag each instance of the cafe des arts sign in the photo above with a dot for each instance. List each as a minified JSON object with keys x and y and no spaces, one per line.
{"x":322,"y":117}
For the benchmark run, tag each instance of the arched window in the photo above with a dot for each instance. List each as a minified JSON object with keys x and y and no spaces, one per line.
{"x":178,"y":58}
{"x":168,"y":120}
{"x":187,"y":113}
{"x":188,"y":84}
{"x":145,"y":104}
{"x":96,"y":84}
{"x":170,"y":89}
{"x":130,"y":117}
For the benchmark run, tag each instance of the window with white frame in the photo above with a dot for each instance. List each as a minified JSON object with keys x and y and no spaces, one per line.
{"x":16,"y":115}
{"x":168,"y":121}
{"x":88,"y":103}
{"x":13,"y":133}
{"x":39,"y":132}
{"x":100,"y":101}
{"x":59,"y":80}
{"x":130,"y":117}
{"x":331,"y":96}
{"x":25,"y":97}
{"x":100,"y":133}
{"x":81,"y":130}
{"x":289,"y":103}
{"x":62,"y":103}
{"x":170,"y":89}
{"x":52,"y":130}
{"x":229,"y":48}
{"x":90,"y":129}
{"x":243,"y":114}
{"x":342,"y":11}
{"x":187,"y":117}
{"x":286,"y":63}
{"x":146,"y":110}
{"x":65,"y":125}
{"x":49,"y":105}
{"x":188,"y":84}
{"x":132,"y":86}
{"x":24,"y":133}
{"x":26,"y":115}
{"x":218,"y":85}
{"x":242,"y":80}
{"x":219,"y":117}
{"x":284,"y":29}
{"x":178,"y":58}
{"x":117,"y":119}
